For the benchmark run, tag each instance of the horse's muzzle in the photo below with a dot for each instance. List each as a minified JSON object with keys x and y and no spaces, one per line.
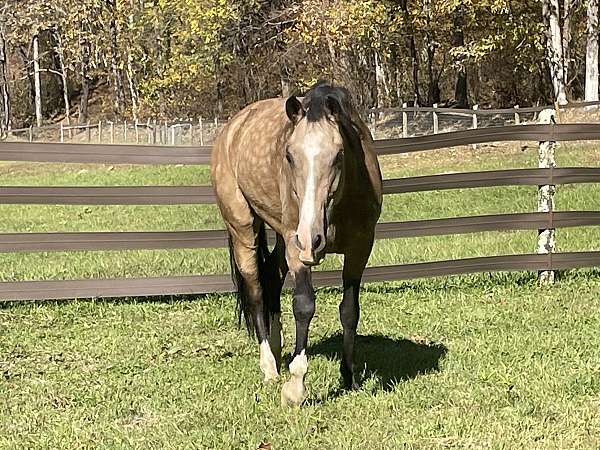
{"x":311,"y":255}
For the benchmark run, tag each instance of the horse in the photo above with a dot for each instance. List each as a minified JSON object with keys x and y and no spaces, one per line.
{"x":305,"y":167}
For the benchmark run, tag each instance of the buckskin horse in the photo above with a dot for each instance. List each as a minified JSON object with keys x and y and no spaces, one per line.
{"x":307,"y":168}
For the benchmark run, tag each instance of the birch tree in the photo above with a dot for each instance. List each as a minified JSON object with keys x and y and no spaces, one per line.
{"x":591,"y":54}
{"x":5,"y":123}
{"x":37,"y":80}
{"x":554,"y":46}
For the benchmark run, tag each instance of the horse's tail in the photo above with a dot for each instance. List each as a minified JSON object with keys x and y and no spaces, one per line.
{"x":267,"y":271}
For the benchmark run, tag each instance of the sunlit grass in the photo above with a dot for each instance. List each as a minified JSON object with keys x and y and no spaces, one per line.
{"x":475,"y":361}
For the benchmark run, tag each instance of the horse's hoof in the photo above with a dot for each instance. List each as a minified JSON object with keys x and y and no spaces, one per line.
{"x":292,"y":395}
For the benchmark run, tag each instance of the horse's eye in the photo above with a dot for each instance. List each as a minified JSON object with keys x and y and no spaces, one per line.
{"x":339,"y":158}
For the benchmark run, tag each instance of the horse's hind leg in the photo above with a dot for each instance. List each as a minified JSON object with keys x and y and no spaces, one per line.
{"x":278,"y":263}
{"x":355,"y":261}
{"x":244,"y":245}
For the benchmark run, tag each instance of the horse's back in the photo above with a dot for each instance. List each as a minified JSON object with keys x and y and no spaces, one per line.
{"x":246,"y":157}
{"x":251,"y":130}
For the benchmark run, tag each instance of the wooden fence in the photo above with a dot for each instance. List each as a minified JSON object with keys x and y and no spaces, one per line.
{"x":410,"y":120}
{"x":199,"y":284}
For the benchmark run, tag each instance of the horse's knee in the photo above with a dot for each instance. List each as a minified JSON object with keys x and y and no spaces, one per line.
{"x":349,"y":314}
{"x":304,"y":308}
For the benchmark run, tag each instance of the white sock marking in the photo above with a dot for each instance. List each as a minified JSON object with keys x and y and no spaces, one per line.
{"x":267,"y":361}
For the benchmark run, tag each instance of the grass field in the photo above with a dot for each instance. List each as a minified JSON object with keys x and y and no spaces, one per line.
{"x":478,"y":361}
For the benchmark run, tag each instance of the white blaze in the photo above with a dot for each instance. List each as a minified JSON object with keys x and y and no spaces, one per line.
{"x":307,"y":210}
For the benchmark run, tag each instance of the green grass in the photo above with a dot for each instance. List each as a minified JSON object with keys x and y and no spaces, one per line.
{"x":477,"y":361}
{"x":470,"y":362}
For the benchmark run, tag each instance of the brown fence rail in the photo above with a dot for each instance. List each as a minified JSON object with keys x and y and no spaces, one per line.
{"x":185,"y":195}
{"x":174,"y":195}
{"x":153,"y":240}
{"x":146,"y":154}
{"x":210,"y":284}
{"x":135,"y":195}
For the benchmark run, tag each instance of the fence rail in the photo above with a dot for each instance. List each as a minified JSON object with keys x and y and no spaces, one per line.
{"x":160,"y":240}
{"x":214,"y":284}
{"x":470,"y":112}
{"x":186,"y":195}
{"x":170,"y":195}
{"x":148,"y":154}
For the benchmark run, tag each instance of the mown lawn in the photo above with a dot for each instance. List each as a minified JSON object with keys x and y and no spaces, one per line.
{"x":478,"y":361}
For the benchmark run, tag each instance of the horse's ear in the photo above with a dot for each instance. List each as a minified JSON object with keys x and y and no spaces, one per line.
{"x":294,"y":109}
{"x":334,"y":106}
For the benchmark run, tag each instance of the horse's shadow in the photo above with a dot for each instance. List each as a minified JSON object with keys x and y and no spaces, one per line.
{"x":385,"y":360}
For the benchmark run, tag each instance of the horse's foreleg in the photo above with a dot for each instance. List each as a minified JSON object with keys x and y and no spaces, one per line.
{"x":293,"y":391}
{"x":354,"y":265}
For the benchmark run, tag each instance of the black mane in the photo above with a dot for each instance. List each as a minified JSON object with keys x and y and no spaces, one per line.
{"x":316,"y":101}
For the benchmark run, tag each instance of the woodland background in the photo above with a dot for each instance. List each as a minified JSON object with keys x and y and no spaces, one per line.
{"x":189,"y":58}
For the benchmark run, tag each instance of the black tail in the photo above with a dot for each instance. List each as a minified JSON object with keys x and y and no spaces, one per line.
{"x":270,"y":282}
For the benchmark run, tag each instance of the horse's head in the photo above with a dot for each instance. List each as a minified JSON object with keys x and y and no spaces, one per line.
{"x":314,"y":163}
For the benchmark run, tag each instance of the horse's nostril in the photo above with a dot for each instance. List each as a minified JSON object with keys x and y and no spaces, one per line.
{"x":297,"y":243}
{"x":317,"y":241}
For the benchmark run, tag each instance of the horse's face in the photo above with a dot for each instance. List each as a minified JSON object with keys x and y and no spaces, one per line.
{"x":314,"y":162}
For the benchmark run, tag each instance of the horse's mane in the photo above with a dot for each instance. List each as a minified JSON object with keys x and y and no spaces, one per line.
{"x":315,"y":101}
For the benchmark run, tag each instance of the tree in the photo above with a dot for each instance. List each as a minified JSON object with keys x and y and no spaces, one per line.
{"x":5,"y":123}
{"x":556,"y":59}
{"x":458,"y":41}
{"x":591,"y":54}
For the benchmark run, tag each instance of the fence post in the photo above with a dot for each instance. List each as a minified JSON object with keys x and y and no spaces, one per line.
{"x":100,"y":132}
{"x":148,"y":134}
{"x":125,"y":132}
{"x":201,"y":131}
{"x":404,"y":120}
{"x":137,"y":133}
{"x":112,"y":132}
{"x":173,"y":134}
{"x":435,"y":120}
{"x":62,"y":132}
{"x":191,"y":132}
{"x":30,"y":133}
{"x":517,"y":116}
{"x":546,"y":238}
{"x":475,"y":122}
{"x":89,"y":132}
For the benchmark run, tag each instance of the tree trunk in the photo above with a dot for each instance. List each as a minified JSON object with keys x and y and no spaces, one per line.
{"x":285,"y":82}
{"x":130,"y":77}
{"x":38,"y":84}
{"x":5,"y":124}
{"x":433,"y":89}
{"x":117,"y":77}
{"x":63,"y":75}
{"x":132,"y":88}
{"x":555,"y":54}
{"x":458,"y":41}
{"x":566,"y":38}
{"x":383,"y":93}
{"x":591,"y":54}
{"x":412,"y":51}
{"x":218,"y":86}
{"x":84,"y":50}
